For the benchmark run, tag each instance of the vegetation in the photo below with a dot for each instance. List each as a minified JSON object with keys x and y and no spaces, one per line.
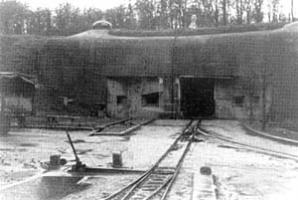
{"x":199,"y":31}
{"x":17,"y":18}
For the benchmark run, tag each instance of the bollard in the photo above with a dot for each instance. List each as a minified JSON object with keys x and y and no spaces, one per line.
{"x":55,"y":160}
{"x":205,"y":171}
{"x":63,"y":161}
{"x":117,"y":159}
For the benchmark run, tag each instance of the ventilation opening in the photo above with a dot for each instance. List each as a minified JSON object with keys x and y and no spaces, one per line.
{"x":121,"y":99}
{"x":150,"y":100}
{"x":197,"y":97}
{"x":239,"y":100}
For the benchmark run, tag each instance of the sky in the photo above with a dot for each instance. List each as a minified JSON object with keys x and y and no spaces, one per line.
{"x":106,"y":4}
{"x":82,"y":4}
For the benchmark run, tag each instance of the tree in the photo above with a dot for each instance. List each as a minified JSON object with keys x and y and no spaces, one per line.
{"x":216,"y":12}
{"x":274,"y":11}
{"x":39,"y":22}
{"x":162,"y":14}
{"x":13,"y":15}
{"x":258,"y":12}
{"x":92,"y":15}
{"x":292,"y":10}
{"x":248,"y":9}
{"x":176,"y":13}
{"x":208,"y":12}
{"x":239,"y":11}
{"x":131,"y":21}
{"x":117,"y":16}
{"x":224,"y":4}
{"x":145,"y":10}
{"x":68,"y":20}
{"x":62,"y":18}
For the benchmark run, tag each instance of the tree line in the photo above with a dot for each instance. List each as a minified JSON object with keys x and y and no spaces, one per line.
{"x":66,"y":19}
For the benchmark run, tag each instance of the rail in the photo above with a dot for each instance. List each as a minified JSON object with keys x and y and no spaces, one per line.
{"x":158,"y":180}
{"x":134,"y":126}
{"x":248,"y":146}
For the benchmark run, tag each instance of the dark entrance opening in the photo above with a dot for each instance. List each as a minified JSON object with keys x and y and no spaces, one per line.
{"x":197,"y":97}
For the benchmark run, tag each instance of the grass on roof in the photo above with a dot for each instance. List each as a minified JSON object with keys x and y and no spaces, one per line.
{"x":199,"y":31}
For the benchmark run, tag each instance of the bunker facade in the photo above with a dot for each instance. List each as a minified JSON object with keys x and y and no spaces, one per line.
{"x":228,"y":76}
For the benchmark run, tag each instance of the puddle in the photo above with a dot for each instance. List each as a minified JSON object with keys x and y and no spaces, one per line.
{"x":76,"y":141}
{"x":45,"y":188}
{"x":83,"y":151}
{"x":58,"y":187}
{"x":101,"y":155}
{"x":227,"y":147}
{"x":28,"y":144}
{"x":6,"y":149}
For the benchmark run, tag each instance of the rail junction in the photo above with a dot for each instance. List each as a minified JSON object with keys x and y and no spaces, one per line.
{"x":195,"y":156}
{"x":158,"y":180}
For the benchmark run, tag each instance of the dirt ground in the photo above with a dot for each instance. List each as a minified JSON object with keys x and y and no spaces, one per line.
{"x":239,"y":173}
{"x":242,"y":173}
{"x":23,"y":152}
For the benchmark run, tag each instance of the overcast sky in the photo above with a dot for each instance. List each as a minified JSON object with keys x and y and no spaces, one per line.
{"x":106,"y":4}
{"x":52,"y":4}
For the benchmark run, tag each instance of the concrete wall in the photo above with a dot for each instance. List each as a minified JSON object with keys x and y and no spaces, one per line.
{"x":233,"y":100}
{"x":18,"y":104}
{"x":124,"y":97}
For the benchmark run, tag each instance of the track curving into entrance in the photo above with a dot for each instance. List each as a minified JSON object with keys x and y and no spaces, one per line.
{"x":247,"y":146}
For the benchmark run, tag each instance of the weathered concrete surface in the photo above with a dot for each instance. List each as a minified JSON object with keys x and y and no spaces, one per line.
{"x":125,"y":97}
{"x":236,"y":99}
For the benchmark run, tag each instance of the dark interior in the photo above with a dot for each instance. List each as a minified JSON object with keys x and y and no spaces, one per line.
{"x":151,"y":99}
{"x":197,"y":97}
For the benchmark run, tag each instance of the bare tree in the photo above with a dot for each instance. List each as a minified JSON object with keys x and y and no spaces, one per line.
{"x":12,"y":17}
{"x":224,"y":4}
{"x":248,"y":5}
{"x":258,"y":12}
{"x":275,"y":11}
{"x":216,"y":12}
{"x":239,"y":11}
{"x":292,"y":10}
{"x":146,"y":13}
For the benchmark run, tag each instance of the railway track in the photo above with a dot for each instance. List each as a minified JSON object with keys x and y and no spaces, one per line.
{"x":119,"y":128}
{"x":237,"y":144}
{"x":158,"y":180}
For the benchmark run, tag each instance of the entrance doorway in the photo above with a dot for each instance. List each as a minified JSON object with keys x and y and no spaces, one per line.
{"x":197,"y":97}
